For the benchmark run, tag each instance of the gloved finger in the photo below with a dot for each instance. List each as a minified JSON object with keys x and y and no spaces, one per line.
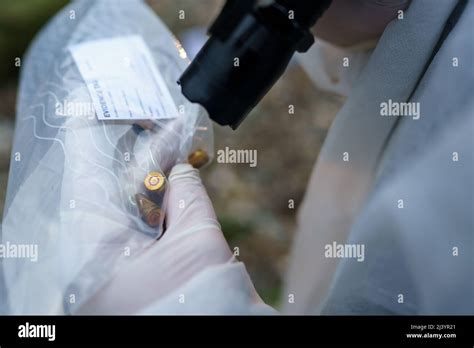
{"x":192,"y":243}
{"x":188,"y":201}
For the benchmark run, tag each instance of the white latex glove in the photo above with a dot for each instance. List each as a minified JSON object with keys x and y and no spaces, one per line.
{"x":83,"y":224}
{"x":192,"y":245}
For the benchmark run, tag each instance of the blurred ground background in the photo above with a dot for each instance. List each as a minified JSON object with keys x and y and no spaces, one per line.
{"x":251,"y":203}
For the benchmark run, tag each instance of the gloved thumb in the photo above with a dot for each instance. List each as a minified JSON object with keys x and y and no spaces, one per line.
{"x":188,"y":202}
{"x":191,"y":222}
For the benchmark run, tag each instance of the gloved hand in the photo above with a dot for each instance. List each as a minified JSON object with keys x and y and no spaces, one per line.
{"x":193,"y":243}
{"x":84,"y":227}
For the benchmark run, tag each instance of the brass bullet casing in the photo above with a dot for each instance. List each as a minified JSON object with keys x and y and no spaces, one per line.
{"x":149,"y":211}
{"x":155,"y":182}
{"x":198,"y":158}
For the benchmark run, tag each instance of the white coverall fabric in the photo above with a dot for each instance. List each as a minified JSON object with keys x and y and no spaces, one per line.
{"x":407,"y":251}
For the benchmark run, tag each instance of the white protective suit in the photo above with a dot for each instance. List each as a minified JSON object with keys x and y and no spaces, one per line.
{"x":408,"y":251}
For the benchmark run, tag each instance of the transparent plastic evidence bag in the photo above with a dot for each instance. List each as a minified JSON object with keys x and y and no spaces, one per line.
{"x":100,"y":122}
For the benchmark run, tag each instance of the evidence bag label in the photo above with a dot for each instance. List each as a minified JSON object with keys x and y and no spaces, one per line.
{"x":122,"y":79}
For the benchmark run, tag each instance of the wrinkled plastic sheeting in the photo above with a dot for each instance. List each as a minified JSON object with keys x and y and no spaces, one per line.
{"x":69,"y":185}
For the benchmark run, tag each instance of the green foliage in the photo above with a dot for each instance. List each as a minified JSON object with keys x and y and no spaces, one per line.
{"x":234,"y":229}
{"x":271,"y":296}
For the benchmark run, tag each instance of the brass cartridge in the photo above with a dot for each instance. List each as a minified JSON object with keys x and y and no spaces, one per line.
{"x":155,"y":182}
{"x":149,"y":211}
{"x":198,"y":158}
